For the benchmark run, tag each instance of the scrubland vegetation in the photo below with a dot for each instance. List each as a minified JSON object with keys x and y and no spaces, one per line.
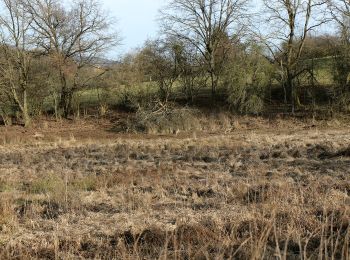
{"x":248,"y":194}
{"x":226,"y":137}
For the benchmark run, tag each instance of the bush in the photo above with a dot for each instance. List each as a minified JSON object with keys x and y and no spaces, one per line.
{"x":163,"y":119}
{"x":246,"y":80}
{"x":343,"y":102}
{"x":246,"y":99}
{"x":130,"y":98}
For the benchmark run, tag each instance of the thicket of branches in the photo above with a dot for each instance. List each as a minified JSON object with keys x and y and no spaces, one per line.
{"x":221,"y":52}
{"x":50,"y":50}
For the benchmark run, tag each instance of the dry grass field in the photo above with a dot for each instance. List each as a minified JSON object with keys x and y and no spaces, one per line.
{"x":262,"y":190}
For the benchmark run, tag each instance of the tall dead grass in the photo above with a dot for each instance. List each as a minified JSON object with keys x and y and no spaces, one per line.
{"x":253,"y":195}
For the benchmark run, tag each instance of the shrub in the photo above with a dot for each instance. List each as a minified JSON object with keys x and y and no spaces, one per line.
{"x":246,"y":99}
{"x":163,"y":119}
{"x":246,"y":80}
{"x":130,"y":98}
{"x":343,"y":102}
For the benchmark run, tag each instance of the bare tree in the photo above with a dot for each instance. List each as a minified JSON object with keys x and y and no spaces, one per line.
{"x":75,"y":38}
{"x":202,"y":23}
{"x":291,"y":21}
{"x":340,"y":11}
{"x":15,"y":53}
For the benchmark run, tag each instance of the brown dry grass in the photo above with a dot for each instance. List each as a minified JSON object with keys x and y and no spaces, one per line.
{"x":276,"y":192}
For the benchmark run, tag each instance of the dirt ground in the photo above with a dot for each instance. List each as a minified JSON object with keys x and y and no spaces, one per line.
{"x":251,"y":190}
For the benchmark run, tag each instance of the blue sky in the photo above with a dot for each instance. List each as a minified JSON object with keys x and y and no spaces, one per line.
{"x":137,"y":20}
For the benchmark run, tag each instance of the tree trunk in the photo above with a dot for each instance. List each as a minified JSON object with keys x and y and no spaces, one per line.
{"x":22,"y":103}
{"x":212,"y":71}
{"x":292,"y":95}
{"x":55,"y":100}
{"x":26,"y":116}
{"x":66,"y":98}
{"x":212,"y":85}
{"x":290,"y":90}
{"x":64,"y":104}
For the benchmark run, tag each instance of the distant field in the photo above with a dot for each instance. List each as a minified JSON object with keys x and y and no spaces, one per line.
{"x":323,"y":70}
{"x":263,"y":190}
